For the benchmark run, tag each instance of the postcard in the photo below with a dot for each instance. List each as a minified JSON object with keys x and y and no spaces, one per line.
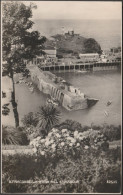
{"x":61,"y":97}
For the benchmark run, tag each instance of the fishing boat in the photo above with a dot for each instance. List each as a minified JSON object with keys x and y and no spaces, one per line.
{"x":52,"y":101}
{"x":109,"y":103}
{"x":106,"y":113}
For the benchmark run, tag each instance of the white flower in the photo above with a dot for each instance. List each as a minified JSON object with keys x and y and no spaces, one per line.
{"x":75,"y":133}
{"x":38,"y":138}
{"x":67,"y":134}
{"x":42,"y":153}
{"x":58,"y":135}
{"x":54,"y":130}
{"x":86,"y":147}
{"x":34,"y":150}
{"x":31,"y":143}
{"x":73,"y":140}
{"x":50,"y":134}
{"x":64,"y":130}
{"x":47,"y":143}
{"x":78,"y":144}
{"x":68,"y":138}
{"x":51,"y":141}
{"x":42,"y":140}
{"x":62,"y":143}
{"x":70,"y":144}
{"x":53,"y":146}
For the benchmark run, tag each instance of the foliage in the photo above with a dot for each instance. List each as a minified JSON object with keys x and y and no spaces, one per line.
{"x":66,"y":143}
{"x":112,"y":132}
{"x":48,"y":116}
{"x":91,"y":46}
{"x":29,"y":119}
{"x":67,"y":44}
{"x":11,"y":135}
{"x":91,"y":171}
{"x":71,"y":125}
{"x":18,"y":42}
{"x":5,"y":109}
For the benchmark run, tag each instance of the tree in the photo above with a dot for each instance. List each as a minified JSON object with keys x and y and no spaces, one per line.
{"x":18,"y":43}
{"x":91,"y":46}
{"x":48,"y":116}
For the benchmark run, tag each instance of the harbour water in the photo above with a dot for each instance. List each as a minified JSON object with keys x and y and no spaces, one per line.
{"x":103,"y":85}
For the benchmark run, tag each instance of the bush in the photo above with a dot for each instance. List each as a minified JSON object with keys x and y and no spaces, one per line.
{"x":92,"y":169}
{"x":13,"y":136}
{"x":70,"y":125}
{"x":112,"y":132}
{"x":30,"y":119}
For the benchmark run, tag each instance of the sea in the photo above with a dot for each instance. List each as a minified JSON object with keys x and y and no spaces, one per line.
{"x":102,"y":85}
{"x":106,"y":32}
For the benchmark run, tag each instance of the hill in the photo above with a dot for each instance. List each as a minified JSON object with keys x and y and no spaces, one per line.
{"x":73,"y":44}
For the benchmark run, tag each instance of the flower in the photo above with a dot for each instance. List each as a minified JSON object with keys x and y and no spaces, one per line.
{"x":68,"y":138}
{"x":42,"y":153}
{"x":33,"y":142}
{"x":64,"y":130}
{"x":38,"y":138}
{"x":34,"y":150}
{"x":70,"y":144}
{"x":42,"y":140}
{"x":47,"y":143}
{"x":75,"y":133}
{"x":73,"y":140}
{"x":86,"y":147}
{"x":53,"y":146}
{"x":54,"y":130}
{"x":58,"y":135}
{"x":78,"y":144}
{"x":67,"y":134}
{"x":62,"y":143}
{"x":49,"y":134}
{"x":51,"y":141}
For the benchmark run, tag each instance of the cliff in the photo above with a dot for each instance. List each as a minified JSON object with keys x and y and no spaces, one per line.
{"x":73,"y":44}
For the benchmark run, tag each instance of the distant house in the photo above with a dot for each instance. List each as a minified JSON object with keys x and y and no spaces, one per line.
{"x":50,"y":52}
{"x":115,"y":49}
{"x":89,"y":57}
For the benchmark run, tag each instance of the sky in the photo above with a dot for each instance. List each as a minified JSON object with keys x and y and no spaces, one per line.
{"x":77,"y":10}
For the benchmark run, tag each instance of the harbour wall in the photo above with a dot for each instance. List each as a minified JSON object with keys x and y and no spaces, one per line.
{"x":68,"y":96}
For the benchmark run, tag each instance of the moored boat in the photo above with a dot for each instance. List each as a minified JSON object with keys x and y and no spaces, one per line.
{"x":109,"y":103}
{"x":52,"y":101}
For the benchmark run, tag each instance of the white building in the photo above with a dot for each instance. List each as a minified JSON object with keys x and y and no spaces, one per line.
{"x":89,"y":57}
{"x":50,"y":52}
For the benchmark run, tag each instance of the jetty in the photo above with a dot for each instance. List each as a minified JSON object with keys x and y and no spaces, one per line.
{"x":97,"y":66}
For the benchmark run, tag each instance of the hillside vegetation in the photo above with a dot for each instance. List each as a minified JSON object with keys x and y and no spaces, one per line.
{"x":73,"y":44}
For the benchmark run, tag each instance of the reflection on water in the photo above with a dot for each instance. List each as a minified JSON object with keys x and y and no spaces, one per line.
{"x":104,"y":86}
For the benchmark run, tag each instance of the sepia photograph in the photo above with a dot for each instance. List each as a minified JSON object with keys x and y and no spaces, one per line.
{"x":61,"y":97}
